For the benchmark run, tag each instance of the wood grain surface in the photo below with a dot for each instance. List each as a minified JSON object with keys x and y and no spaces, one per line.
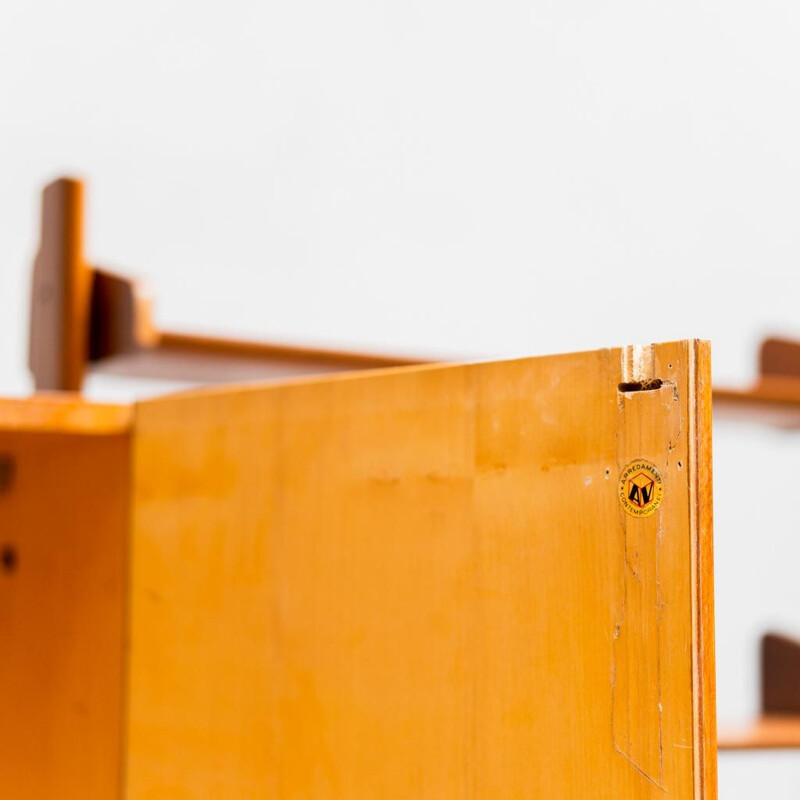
{"x":420,"y":582}
{"x":64,"y":514}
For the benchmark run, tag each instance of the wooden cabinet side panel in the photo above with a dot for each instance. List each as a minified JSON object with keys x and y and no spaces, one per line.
{"x":418,"y":583}
{"x":64,"y":515}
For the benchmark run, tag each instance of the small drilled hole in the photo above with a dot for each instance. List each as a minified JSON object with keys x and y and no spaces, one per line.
{"x":9,"y":558}
{"x":6,"y":471}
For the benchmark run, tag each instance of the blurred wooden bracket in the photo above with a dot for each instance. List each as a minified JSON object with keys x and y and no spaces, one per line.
{"x":778,"y":724}
{"x":775,"y":398}
{"x":87,"y":318}
{"x":84,"y":317}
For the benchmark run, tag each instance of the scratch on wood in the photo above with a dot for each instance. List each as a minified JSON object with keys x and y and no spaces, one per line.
{"x":640,"y":770}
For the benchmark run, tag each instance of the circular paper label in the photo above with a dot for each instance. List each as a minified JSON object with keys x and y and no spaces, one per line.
{"x":640,"y":488}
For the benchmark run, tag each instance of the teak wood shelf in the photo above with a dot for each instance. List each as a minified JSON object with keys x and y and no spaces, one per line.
{"x":409,"y":582}
{"x":778,"y":725}
{"x":410,"y":579}
{"x":775,"y":399}
{"x":86,"y":317}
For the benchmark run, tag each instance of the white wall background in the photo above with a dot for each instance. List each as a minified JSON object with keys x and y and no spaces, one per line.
{"x":449,"y":178}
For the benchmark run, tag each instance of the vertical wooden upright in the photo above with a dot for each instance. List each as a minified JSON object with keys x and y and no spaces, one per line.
{"x":427,"y":582}
{"x":61,"y":292}
{"x":64,"y":517}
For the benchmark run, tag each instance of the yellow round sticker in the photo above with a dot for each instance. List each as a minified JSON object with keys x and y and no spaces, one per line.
{"x":640,"y":488}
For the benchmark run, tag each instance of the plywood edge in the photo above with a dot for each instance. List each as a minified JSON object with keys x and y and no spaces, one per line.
{"x":701,"y":510}
{"x":275,"y":385}
{"x":64,"y":414}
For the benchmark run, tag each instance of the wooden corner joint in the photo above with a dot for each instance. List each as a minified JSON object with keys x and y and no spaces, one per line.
{"x":79,"y":313}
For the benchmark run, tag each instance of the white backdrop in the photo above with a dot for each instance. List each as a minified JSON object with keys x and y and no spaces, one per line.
{"x":447,"y":178}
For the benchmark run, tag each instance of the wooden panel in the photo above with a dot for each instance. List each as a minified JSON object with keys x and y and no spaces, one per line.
{"x":63,"y":549}
{"x":421,"y":583}
{"x":780,"y":674}
{"x":779,"y":357}
{"x":63,"y":413}
{"x":60,"y":292}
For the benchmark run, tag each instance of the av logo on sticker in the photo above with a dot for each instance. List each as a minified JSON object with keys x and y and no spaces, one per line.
{"x":640,"y":488}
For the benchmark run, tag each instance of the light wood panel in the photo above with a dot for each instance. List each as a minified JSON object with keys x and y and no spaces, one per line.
{"x":64,"y":516}
{"x":421,"y":583}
